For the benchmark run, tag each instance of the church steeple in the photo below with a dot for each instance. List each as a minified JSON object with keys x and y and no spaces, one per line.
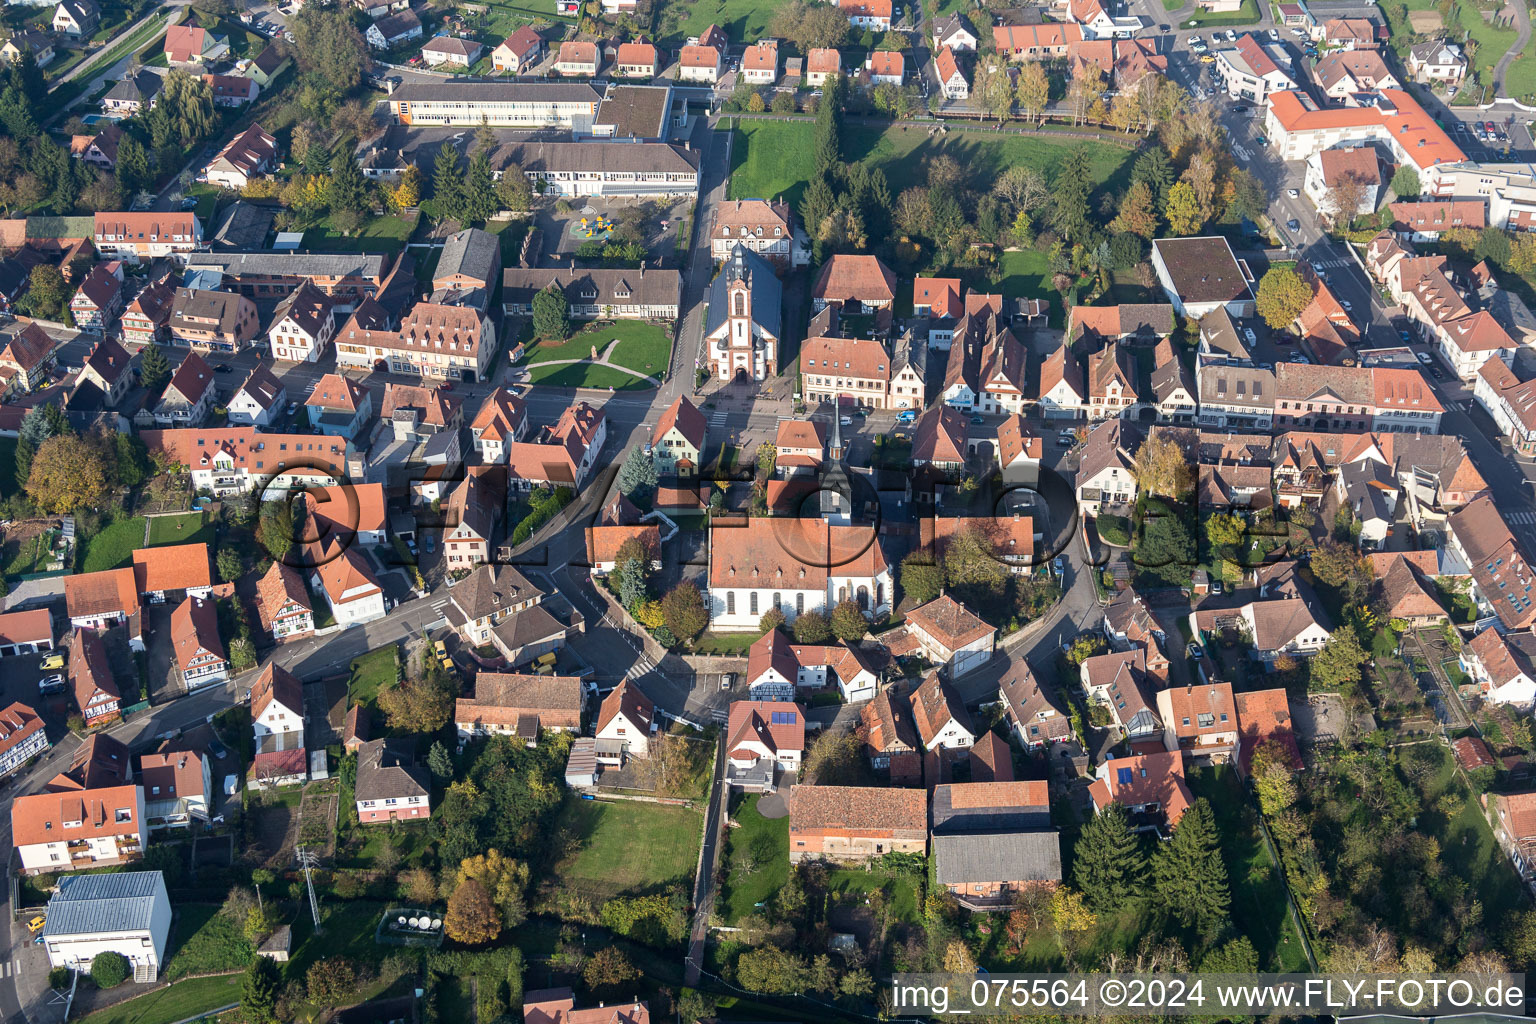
{"x":836,"y":491}
{"x":835,"y":449}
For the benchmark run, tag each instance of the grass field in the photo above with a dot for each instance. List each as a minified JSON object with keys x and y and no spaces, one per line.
{"x":1027,"y":274}
{"x":1258,"y":893}
{"x":644,"y":347}
{"x":203,"y":940}
{"x":629,"y":845}
{"x":112,"y":547}
{"x":378,"y":234}
{"x":764,"y":843}
{"x":188,"y":528}
{"x":776,"y":158}
{"x":743,"y":20}
{"x":1248,"y":14}
{"x":901,"y":890}
{"x":178,"y":1002}
{"x":370,"y":674}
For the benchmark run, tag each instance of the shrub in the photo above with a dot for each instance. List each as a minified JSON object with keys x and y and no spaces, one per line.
{"x":58,"y":977}
{"x":109,"y":970}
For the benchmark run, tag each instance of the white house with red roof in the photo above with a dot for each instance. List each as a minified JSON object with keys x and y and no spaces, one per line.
{"x":951,"y":635}
{"x":762,"y":738}
{"x":952,"y":80}
{"x":277,"y":710}
{"x":886,"y":67}
{"x":188,"y":398}
{"x":1503,"y":665}
{"x":502,"y":419}
{"x":1150,"y":786}
{"x":349,"y":585}
{"x":1097,"y":23}
{"x":872,"y":14}
{"x":778,"y":668}
{"x":677,"y":443}
{"x":795,"y":565}
{"x":624,"y":724}
{"x":200,"y":653}
{"x":26,"y":632}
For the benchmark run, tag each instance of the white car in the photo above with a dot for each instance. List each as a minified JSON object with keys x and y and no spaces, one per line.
{"x":1231,"y":36}
{"x":1252,"y":339}
{"x":1293,"y":193}
{"x":1426,"y":358}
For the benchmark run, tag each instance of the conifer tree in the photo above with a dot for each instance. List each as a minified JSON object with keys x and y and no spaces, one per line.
{"x":1109,"y":869}
{"x":1188,"y":874}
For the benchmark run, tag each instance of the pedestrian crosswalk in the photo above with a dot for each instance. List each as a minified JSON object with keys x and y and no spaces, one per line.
{"x":1330,"y":264}
{"x":717,"y":418}
{"x":1521,"y":518}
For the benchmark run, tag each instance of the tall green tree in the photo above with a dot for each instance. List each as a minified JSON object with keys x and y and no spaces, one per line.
{"x":1069,"y":195}
{"x":1282,"y":296}
{"x":1188,"y":874}
{"x":551,"y":313}
{"x":154,"y":368}
{"x":921,"y":578}
{"x":348,"y":189}
{"x":829,"y":118}
{"x":1109,"y":866}
{"x":259,"y":993}
{"x":848,"y":622}
{"x":330,"y":49}
{"x":637,"y":477}
{"x":448,"y":182}
{"x":16,"y":113}
{"x":479,"y":191}
{"x":1155,"y":169}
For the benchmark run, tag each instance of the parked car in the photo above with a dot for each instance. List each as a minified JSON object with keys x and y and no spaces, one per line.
{"x":217,"y":749}
{"x":906,"y":416}
{"x":1348,"y":306}
{"x":51,"y":661}
{"x":977,"y":421}
{"x":50,"y":684}
{"x":431,"y":543}
{"x":1059,"y":566}
{"x":1426,"y":359}
{"x":1194,"y":651}
{"x":1293,"y":193}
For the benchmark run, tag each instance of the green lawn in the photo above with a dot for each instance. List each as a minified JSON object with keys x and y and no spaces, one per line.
{"x":379,"y":234}
{"x":642,"y":346}
{"x":776,"y":158}
{"x":112,"y":547}
{"x":203,"y":940}
{"x":726,"y":645}
{"x":743,"y":20}
{"x":1472,"y":854}
{"x":178,"y":1002}
{"x":1247,"y":15}
{"x":370,"y":674}
{"x":349,"y":929}
{"x":764,"y":843}
{"x":629,"y":845}
{"x":1258,"y":892}
{"x":903,"y":904}
{"x":31,"y":555}
{"x":188,"y":528}
{"x":1027,"y":275}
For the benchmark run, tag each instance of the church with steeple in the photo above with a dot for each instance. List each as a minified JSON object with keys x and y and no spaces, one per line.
{"x":744,"y":318}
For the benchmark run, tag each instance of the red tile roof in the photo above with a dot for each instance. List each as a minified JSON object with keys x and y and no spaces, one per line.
{"x":849,"y":277}
{"x":172,"y":567}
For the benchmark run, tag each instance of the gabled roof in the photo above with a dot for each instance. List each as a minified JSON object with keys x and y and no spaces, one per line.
{"x":90,"y":670}
{"x":949,"y":622}
{"x":777,"y":725}
{"x":100,"y":761}
{"x":1144,"y":779}
{"x":195,"y":631}
{"x":263,"y":388}
{"x":107,"y":592}
{"x":499,"y":415}
{"x":171,"y":567}
{"x":172,"y":773}
{"x":1264,"y":716}
{"x":991,"y":806}
{"x":934,"y":705}
{"x":385,"y":771}
{"x":939,"y":436}
{"x":281,"y":587}
{"x":851,"y":809}
{"x":688,"y":420}
{"x":847,"y":277}
{"x":1026,"y":703}
{"x":92,"y":905}
{"x":192,"y":379}
{"x":27,"y":348}
{"x":337,"y":393}
{"x":626,"y":699}
{"x":276,"y":684}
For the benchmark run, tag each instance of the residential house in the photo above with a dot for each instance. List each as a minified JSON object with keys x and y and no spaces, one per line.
{"x":677,"y":442}
{"x":1424,"y":221}
{"x":77,"y":18}
{"x":518,"y":52}
{"x":744,"y":318}
{"x":1407,"y":593}
{"x":354,"y":513}
{"x":232,"y":90}
{"x":870,"y":14}
{"x":502,"y":419}
{"x":247,"y":157}
{"x":446,"y":342}
{"x":952,"y":80}
{"x":99,"y":149}
{"x":73,"y":828}
{"x":760,"y":62}
{"x":1063,"y":392}
{"x":1251,"y":71}
{"x":339,"y":407}
{"x":562,"y":455}
{"x":451,"y":51}
{"x":855,"y":823}
{"x":389,"y":786}
{"x":558,"y":1005}
{"x":890,"y":738}
{"x":1503,"y":665}
{"x":278,"y":768}
{"x":1501,"y":575}
{"x":624,"y":724}
{"x":950,"y":635}
{"x":1119,"y":680}
{"x":1041,"y":41}
{"x":861,"y":284}
{"x":28,"y":358}
{"x":191,"y":44}
{"x":779,"y":669}
{"x":1106,"y":475}
{"x":101,"y":600}
{"x":1297,"y":127}
{"x":349,"y":584}
{"x":127,"y":913}
{"x":1264,"y":718}
{"x":394,"y":30}
{"x":1345,"y":172}
{"x":1149,"y":786}
{"x":1514,"y":818}
{"x":886,"y":67}
{"x":955,"y":32}
{"x":700,"y":64}
{"x":91,"y":679}
{"x":939,"y":439}
{"x":302,"y":325}
{"x":283,"y":604}
{"x":28,"y":41}
{"x":939,"y":715}
{"x":1347,"y":33}
{"x":133,"y":93}
{"x":148,"y":316}
{"x":473,"y":510}
{"x":763,"y":738}
{"x":212,"y":321}
{"x":421,"y":413}
{"x":1019,"y":452}
{"x":107,"y":368}
{"x":1199,"y":721}
{"x":1347,"y":72}
{"x":178,"y":784}
{"x":636,"y":60}
{"x":1437,"y":61}
{"x":200,"y":654}
{"x":267,"y":65}
{"x":1033,"y":717}
{"x":993,"y":840}
{"x":822,"y":63}
{"x":238,"y":460}
{"x":277,"y":710}
{"x":513,"y":704}
{"x":22,"y":736}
